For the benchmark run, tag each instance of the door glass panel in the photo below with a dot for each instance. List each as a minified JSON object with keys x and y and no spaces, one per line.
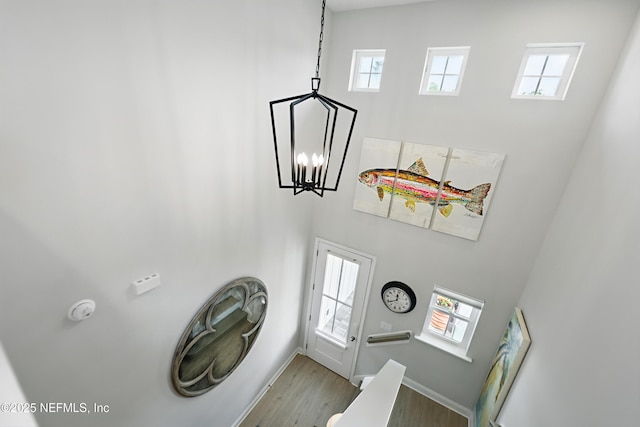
{"x":338,"y":291}
{"x":341,"y":324}
{"x":327,"y":315}
{"x":348,"y":282}
{"x":332,"y":276}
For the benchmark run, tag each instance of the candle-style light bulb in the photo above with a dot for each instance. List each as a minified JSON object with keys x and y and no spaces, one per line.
{"x":299,"y":167}
{"x":304,"y":161}
{"x":319,"y":174}
{"x":314,"y":170}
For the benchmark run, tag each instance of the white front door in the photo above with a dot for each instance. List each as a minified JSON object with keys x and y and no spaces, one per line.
{"x":340,"y":284}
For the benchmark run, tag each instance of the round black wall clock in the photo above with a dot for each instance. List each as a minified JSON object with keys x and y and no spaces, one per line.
{"x":398,"y":297}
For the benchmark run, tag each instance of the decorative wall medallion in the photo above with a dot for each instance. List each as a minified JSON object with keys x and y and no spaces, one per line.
{"x":219,"y":336}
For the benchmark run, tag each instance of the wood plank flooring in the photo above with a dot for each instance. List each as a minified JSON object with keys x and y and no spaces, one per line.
{"x":412,"y":409}
{"x":307,"y":394}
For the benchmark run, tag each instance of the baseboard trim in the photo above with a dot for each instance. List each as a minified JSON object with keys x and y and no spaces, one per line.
{"x":427,"y":392}
{"x":266,"y":388}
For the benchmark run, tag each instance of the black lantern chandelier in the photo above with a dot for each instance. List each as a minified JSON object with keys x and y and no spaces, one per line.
{"x":324,"y":129}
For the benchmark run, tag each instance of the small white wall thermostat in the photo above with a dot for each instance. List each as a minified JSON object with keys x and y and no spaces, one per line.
{"x":82,"y":310}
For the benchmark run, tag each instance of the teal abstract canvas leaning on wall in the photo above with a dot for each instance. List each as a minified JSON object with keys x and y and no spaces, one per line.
{"x":505,"y":365}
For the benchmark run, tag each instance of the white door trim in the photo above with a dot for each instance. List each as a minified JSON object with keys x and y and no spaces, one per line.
{"x":361,"y":321}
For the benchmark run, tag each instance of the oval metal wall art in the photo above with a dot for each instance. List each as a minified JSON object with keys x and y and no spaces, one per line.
{"x":219,"y":336}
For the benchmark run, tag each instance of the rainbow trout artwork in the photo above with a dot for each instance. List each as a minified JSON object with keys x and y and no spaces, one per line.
{"x":415,"y":186}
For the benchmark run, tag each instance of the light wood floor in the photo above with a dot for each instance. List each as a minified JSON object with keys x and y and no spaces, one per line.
{"x":412,"y":409}
{"x":307,"y":394}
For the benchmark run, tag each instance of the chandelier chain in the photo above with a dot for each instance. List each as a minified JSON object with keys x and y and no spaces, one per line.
{"x":324,"y":2}
{"x":323,"y":174}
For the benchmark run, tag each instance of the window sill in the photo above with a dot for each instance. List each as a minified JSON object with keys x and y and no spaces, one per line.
{"x":438,"y":93}
{"x":362,"y":89}
{"x":444,"y":346}
{"x":539,"y":97}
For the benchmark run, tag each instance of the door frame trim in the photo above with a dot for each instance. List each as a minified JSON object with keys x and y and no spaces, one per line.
{"x":309,"y":289}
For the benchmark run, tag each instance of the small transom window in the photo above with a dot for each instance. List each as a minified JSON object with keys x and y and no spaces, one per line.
{"x":443,"y":70}
{"x":451,"y":321}
{"x":366,"y":70}
{"x":546,"y":71}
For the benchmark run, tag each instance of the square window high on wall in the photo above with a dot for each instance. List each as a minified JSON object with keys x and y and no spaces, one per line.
{"x":546,"y":71}
{"x":443,"y":70}
{"x":366,"y":70}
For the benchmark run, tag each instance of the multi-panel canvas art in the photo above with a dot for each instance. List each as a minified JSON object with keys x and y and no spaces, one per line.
{"x":473,"y":174}
{"x":381,"y":156}
{"x":439,"y":188}
{"x":419,"y":170}
{"x":505,"y":365}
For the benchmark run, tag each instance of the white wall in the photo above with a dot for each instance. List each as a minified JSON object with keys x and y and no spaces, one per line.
{"x":541,"y":140}
{"x":135,"y":138}
{"x":580,"y":300}
{"x":17,"y":414}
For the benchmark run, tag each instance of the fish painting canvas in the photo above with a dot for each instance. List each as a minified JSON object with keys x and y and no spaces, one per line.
{"x":416,"y":187}
{"x":379,"y":154}
{"x":469,"y":182}
{"x":440,"y":188}
{"x":505,"y":365}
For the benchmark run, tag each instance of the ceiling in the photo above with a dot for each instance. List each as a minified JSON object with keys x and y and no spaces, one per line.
{"x":342,"y":5}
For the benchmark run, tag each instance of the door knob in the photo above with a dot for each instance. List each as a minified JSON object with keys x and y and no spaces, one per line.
{"x":353,"y":339}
